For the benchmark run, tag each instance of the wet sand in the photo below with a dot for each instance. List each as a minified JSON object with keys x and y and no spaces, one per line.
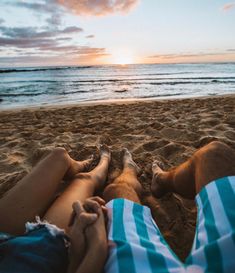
{"x":168,"y":130}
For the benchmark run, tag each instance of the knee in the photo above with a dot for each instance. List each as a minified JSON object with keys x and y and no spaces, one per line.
{"x":215,"y":155}
{"x":215,"y":149}
{"x":120,"y":190}
{"x":59,"y":152}
{"x":112,"y":189}
{"x":218,"y":146}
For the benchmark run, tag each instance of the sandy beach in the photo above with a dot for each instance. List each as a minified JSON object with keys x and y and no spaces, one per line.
{"x":168,"y":130}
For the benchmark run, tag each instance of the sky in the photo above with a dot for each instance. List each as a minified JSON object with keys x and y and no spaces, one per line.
{"x":90,"y":32}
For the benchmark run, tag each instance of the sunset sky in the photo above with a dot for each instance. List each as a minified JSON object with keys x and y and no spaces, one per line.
{"x":84,"y":32}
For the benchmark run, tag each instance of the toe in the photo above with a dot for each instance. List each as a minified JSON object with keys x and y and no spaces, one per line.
{"x":157,"y":166}
{"x":104,"y":149}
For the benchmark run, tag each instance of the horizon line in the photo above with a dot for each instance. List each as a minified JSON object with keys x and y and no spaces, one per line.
{"x":120,"y":65}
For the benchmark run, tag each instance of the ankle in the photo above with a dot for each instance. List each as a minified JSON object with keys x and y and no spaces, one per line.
{"x":161,"y":184}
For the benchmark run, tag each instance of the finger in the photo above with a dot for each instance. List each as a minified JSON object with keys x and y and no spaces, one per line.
{"x":77,"y":210}
{"x":98,"y":200}
{"x":91,"y":206}
{"x":77,"y":207}
{"x":86,"y":219}
{"x":72,"y":218}
{"x":104,"y":208}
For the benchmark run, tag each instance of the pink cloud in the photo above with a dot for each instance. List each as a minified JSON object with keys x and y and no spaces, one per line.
{"x":98,"y":8}
{"x":229,"y":6}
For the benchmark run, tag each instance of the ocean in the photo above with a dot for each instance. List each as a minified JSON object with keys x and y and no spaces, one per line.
{"x":41,"y":86}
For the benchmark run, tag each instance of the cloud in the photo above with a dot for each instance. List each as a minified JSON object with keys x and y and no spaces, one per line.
{"x":49,"y":6}
{"x":34,"y":33}
{"x":71,"y":30}
{"x":176,"y":56}
{"x":82,"y":55}
{"x":52,"y":41}
{"x":55,"y":20}
{"x":31,"y":38}
{"x":33,"y":45}
{"x":79,"y":7}
{"x":193,"y":57}
{"x":228,"y":6}
{"x":98,"y":8}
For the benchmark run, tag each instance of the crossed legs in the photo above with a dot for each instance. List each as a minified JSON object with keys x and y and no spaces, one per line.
{"x":84,"y":185}
{"x":35,"y":193}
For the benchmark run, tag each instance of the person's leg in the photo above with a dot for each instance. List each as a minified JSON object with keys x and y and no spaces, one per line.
{"x":83,"y":186}
{"x":209,"y":163}
{"x":126,"y":185}
{"x":130,"y":219}
{"x":35,"y":192}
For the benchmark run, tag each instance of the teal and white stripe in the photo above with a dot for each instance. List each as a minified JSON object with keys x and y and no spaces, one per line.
{"x":172,"y":262}
{"x":214,"y":244}
{"x":137,"y":246}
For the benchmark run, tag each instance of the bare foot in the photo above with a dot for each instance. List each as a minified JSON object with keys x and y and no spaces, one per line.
{"x":104,"y":151}
{"x":77,"y":167}
{"x":158,"y":186}
{"x":100,"y":172}
{"x":128,"y":161}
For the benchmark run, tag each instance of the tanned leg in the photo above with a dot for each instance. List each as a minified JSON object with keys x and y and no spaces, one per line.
{"x":35,"y":192}
{"x":126,"y":185}
{"x":83,"y":186}
{"x":211,"y":162}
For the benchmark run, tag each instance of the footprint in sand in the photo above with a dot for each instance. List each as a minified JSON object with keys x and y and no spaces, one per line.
{"x":230,"y":134}
{"x":10,"y":180}
{"x":210,"y":121}
{"x":171,"y":149}
{"x":178,"y":135}
{"x":152,"y":145}
{"x":230,"y":120}
{"x":204,"y":140}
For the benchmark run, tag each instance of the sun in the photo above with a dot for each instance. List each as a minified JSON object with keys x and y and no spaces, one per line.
{"x":123,"y":57}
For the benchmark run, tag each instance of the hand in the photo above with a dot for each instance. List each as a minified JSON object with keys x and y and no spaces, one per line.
{"x":80,"y":220}
{"x":88,"y":236}
{"x":95,"y":233}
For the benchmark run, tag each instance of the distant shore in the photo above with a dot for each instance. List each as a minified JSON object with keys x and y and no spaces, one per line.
{"x":169,"y":130}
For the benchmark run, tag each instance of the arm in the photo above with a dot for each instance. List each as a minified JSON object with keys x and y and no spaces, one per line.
{"x":77,"y":249}
{"x":94,"y":260}
{"x":96,"y":239}
{"x":88,"y":237}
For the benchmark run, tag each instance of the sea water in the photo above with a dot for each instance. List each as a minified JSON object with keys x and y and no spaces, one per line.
{"x":39,"y":86}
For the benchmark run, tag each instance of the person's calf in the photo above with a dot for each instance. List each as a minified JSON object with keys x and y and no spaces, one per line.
{"x":120,"y":190}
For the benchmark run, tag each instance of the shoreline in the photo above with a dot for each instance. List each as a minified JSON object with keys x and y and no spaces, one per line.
{"x":111,"y":102}
{"x":168,"y":130}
